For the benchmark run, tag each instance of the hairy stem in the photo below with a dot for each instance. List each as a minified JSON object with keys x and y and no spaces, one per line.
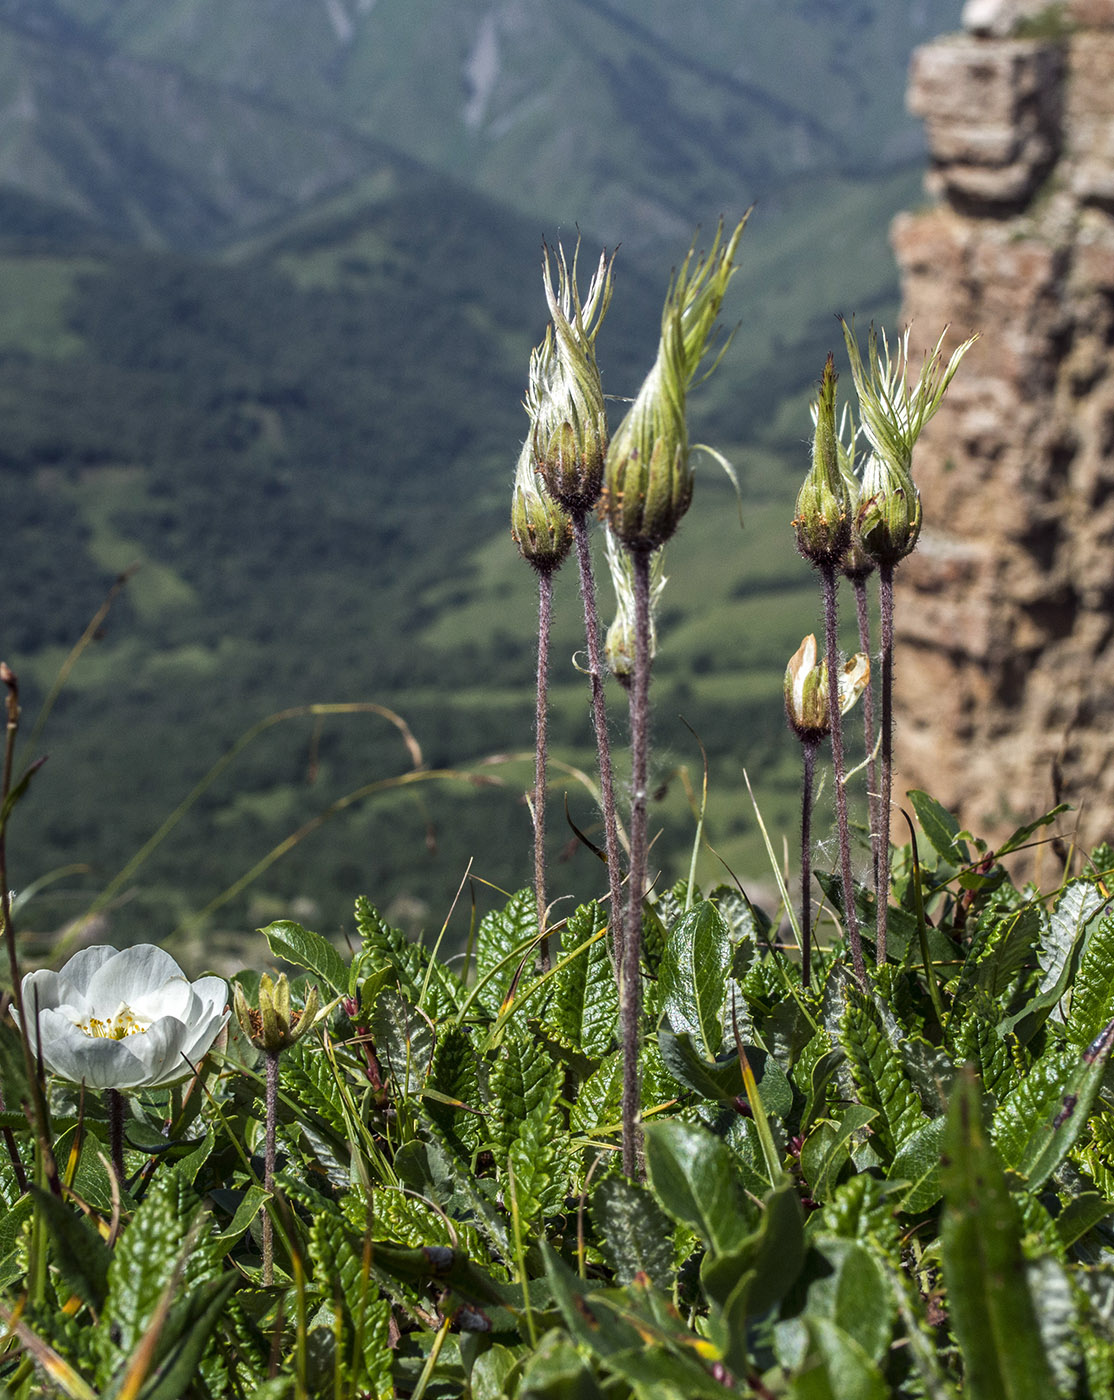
{"x":808,"y":751}
{"x":862,"y":613}
{"x":541,"y":754}
{"x":114,"y":1102}
{"x":882,"y":879}
{"x":831,"y":645}
{"x":599,"y":718}
{"x":272,"y":1069}
{"x":630,"y":984}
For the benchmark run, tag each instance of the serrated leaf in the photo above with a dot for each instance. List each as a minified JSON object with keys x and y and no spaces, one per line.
{"x":80,"y":1255}
{"x":1059,"y":947}
{"x":1092,"y":990}
{"x":917,"y":1163}
{"x":425,"y":981}
{"x":878,"y":1072}
{"x":307,"y":1078}
{"x":503,"y":940}
{"x":636,"y":1235}
{"x":1037,"y":1126}
{"x":403,"y":1041}
{"x":455,"y":1074}
{"x":585,"y":1006}
{"x":523,"y":1081}
{"x":991,"y":1309}
{"x":300,"y":946}
{"x":144,"y":1260}
{"x":693,"y":977}
{"x":693,"y":1177}
{"x":597,"y":1103}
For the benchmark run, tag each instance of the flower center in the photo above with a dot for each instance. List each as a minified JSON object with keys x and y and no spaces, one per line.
{"x":123,"y":1022}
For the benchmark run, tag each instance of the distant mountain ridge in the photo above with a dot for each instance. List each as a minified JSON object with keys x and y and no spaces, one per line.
{"x":603,"y":112}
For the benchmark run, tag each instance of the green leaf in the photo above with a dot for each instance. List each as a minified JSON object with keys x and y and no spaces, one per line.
{"x":1058,"y":950}
{"x":765,"y":1265}
{"x":597,"y":1103}
{"x":855,"y":1296}
{"x":145,"y":1259}
{"x":295,"y":944}
{"x":403,"y":1041}
{"x":557,"y":1371}
{"x":422,"y":979}
{"x":1037,"y":1126}
{"x":878,"y":1071}
{"x":693,"y":976}
{"x":917,"y":1162}
{"x":941,"y":828}
{"x":80,"y":1255}
{"x":503,"y":941}
{"x":722,"y":1079}
{"x":636,"y":1236}
{"x":693,"y":1176}
{"x":991,"y":1308}
{"x":585,"y":1005}
{"x":191,"y":1323}
{"x":827,"y":1149}
{"x":307,"y":1078}
{"x":1092,"y":991}
{"x":836,"y":1367}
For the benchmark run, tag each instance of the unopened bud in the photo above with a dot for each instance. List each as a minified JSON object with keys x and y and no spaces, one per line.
{"x":888,"y":522}
{"x":274,"y":1025}
{"x":570,"y":420}
{"x":541,"y":528}
{"x":649,"y":476}
{"x":821,"y":522}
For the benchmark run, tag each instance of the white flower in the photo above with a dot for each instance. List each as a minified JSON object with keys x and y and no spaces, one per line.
{"x":125,"y":1019}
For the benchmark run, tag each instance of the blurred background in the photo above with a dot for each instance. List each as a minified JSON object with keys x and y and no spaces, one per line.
{"x":269,"y":280}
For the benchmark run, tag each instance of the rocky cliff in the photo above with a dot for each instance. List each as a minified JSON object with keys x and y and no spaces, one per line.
{"x":1005,"y":681}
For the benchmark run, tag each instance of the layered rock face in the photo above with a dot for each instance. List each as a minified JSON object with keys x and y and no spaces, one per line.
{"x":1005,"y":613}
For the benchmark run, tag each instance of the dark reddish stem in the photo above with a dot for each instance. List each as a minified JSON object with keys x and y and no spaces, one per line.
{"x":599,"y":717}
{"x":541,"y":754}
{"x":831,"y":647}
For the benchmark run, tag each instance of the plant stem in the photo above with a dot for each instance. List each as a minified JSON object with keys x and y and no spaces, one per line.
{"x":541,"y":754}
{"x":114,"y":1101}
{"x":808,"y":751}
{"x":630,"y":983}
{"x":831,"y":646}
{"x":599,"y":717}
{"x":862,"y":613}
{"x":272,"y":1069}
{"x":882,"y":880}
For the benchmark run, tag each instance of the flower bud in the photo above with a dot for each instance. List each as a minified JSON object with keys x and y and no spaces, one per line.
{"x":541,"y":528}
{"x":274,"y":1026}
{"x":649,"y":477}
{"x":821,"y":522}
{"x":888,"y":521}
{"x":893,"y":412}
{"x":806,"y":690}
{"x":570,"y":421}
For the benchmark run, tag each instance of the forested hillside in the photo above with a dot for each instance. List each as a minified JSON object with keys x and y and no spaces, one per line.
{"x":259,"y":334}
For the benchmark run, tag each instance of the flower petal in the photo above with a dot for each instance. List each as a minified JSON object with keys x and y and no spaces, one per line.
{"x":131,"y":974}
{"x":101,"y":1063}
{"x":161,"y":1048}
{"x":83,"y":966}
